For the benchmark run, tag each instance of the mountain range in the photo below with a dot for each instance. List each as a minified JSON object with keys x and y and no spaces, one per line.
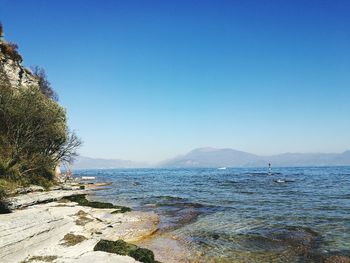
{"x":82,"y":162}
{"x":215,"y":157}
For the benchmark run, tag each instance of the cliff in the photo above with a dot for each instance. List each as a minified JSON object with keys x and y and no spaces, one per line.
{"x":11,"y":68}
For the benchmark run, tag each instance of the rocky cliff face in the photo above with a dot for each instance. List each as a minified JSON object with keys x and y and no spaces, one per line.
{"x":13,"y":71}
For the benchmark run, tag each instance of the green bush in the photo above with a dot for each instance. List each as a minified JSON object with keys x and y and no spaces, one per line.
{"x":10,"y":49}
{"x":34,"y":136}
{"x":1,"y":30}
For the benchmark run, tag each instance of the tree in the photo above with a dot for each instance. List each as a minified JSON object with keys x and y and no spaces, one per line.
{"x":44,"y":84}
{"x":1,"y":30}
{"x":34,"y":135}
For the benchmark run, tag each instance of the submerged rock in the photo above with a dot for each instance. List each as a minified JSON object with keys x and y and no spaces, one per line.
{"x":294,"y":236}
{"x":337,"y":259}
{"x":334,"y":257}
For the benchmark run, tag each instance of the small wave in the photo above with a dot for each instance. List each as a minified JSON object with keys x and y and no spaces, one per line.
{"x":181,"y":204}
{"x":262,"y":173}
{"x":284,"y":181}
{"x":167,"y":197}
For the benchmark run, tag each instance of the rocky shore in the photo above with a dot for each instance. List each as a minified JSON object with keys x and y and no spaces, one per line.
{"x":51,"y":226}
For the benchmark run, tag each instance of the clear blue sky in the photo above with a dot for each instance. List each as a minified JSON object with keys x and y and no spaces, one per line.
{"x":147,"y":80}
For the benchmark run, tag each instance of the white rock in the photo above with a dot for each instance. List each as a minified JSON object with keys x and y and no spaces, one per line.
{"x":33,"y":198}
{"x":17,"y":74}
{"x":39,"y":230}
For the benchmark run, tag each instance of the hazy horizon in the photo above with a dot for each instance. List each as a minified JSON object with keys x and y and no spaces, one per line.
{"x":147,"y":81}
{"x":156,"y":162}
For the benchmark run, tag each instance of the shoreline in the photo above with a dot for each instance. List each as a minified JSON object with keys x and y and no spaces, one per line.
{"x":165,"y":246}
{"x":47,"y":227}
{"x":61,"y":225}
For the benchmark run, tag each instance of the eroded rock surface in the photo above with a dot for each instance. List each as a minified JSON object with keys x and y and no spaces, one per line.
{"x":32,"y":198}
{"x":16,"y":74}
{"x":39,"y":230}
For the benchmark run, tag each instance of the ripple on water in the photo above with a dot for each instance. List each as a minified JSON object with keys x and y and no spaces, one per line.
{"x":243,"y":215}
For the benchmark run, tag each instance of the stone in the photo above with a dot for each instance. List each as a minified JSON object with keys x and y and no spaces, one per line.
{"x":121,"y":247}
{"x":337,"y":259}
{"x":39,"y":230}
{"x":30,"y":189}
{"x":29,"y":199}
{"x":17,"y":75}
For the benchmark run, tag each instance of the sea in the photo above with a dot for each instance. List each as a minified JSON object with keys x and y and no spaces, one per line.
{"x":248,"y":215}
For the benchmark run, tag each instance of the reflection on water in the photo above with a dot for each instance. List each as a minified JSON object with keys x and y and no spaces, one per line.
{"x":243,"y":215}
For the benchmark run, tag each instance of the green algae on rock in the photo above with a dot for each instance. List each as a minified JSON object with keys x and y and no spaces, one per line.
{"x":81,"y":200}
{"x":142,"y":255}
{"x":126,"y":249}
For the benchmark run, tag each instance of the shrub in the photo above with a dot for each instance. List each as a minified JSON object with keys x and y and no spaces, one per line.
{"x":10,"y":49}
{"x":44,"y":84}
{"x":34,"y":136}
{"x":1,"y":30}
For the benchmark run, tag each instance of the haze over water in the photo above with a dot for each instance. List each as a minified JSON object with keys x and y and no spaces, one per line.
{"x":242,"y":215}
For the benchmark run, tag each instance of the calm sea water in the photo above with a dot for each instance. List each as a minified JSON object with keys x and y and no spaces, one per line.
{"x":242,"y":215}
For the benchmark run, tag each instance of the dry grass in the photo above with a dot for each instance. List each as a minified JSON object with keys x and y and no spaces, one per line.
{"x":41,"y":258}
{"x":72,"y":240}
{"x":82,"y":219}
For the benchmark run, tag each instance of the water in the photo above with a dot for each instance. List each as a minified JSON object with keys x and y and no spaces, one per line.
{"x":242,"y":215}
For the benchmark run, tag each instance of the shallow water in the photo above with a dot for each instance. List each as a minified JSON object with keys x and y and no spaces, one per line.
{"x":242,"y":215}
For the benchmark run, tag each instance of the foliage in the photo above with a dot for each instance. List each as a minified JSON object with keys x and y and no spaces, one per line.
{"x":34,"y":136}
{"x":8,"y":186}
{"x":1,"y":30}
{"x":44,"y":84}
{"x":10,"y":49}
{"x":5,"y":188}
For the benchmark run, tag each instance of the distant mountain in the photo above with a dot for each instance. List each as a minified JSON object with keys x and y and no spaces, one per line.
{"x":82,"y":162}
{"x":213,"y":157}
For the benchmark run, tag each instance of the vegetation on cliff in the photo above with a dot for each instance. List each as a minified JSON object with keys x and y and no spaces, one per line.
{"x":34,"y":136}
